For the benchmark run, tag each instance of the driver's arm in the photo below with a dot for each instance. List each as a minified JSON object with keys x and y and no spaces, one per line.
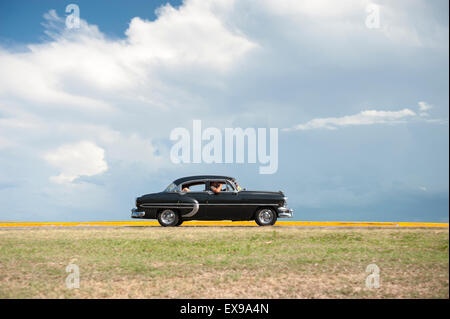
{"x":217,"y":189}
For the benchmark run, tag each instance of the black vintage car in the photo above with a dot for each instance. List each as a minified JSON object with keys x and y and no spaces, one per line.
{"x":211,"y":197}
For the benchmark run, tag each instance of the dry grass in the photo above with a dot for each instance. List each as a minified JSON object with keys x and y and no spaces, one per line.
{"x":224,"y":262}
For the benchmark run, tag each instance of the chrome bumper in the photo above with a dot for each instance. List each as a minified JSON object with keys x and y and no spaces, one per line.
{"x":285,"y":212}
{"x":135,"y":214}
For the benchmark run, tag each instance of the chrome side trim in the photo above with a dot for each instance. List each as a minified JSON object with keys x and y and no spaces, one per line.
{"x":194,"y":210}
{"x":165,"y":204}
{"x":247,"y":204}
{"x":162,"y":205}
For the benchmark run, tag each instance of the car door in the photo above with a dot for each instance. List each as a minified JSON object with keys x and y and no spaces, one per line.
{"x":200,"y":194}
{"x":225,"y":205}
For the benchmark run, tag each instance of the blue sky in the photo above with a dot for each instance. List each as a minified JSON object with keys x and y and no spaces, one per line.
{"x":86,"y":114}
{"x":21,"y":21}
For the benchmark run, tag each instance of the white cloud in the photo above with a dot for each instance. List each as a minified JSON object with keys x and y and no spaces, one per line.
{"x":346,"y":17}
{"x":423,"y":108}
{"x":368,"y":117}
{"x":192,"y":34}
{"x":78,"y":66}
{"x":74,"y":160}
{"x":317,"y":8}
{"x":131,"y":149}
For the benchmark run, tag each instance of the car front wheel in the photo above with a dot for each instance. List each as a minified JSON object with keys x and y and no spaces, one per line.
{"x":265,"y":217}
{"x":168,"y":218}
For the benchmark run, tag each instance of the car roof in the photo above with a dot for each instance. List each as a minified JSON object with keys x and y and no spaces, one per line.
{"x":192,"y":178}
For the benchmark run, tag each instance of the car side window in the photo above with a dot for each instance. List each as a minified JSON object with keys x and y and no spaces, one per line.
{"x":225,"y":186}
{"x":194,"y":187}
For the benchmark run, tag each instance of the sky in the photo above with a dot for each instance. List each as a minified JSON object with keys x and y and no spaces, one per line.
{"x":361,"y":105}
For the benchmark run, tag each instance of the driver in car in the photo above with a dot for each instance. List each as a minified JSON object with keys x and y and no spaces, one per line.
{"x":216,"y":187}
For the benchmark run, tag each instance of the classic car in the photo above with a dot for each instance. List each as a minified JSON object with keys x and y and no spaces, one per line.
{"x":211,"y":197}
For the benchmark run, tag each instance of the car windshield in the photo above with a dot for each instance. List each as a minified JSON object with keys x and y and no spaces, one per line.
{"x":171,"y":188}
{"x":236,"y":185}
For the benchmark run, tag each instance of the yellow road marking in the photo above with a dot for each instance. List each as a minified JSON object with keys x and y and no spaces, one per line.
{"x":224,"y":223}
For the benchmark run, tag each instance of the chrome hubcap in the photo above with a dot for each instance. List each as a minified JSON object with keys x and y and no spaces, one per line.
{"x":265,"y":216}
{"x":167,"y":217}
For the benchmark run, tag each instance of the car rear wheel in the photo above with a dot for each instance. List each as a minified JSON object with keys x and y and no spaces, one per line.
{"x":265,"y":217}
{"x":168,"y":218}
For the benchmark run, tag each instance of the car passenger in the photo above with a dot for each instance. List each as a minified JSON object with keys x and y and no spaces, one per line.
{"x":186,"y":189}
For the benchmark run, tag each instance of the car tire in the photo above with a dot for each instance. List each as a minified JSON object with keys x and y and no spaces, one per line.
{"x":168,"y":218}
{"x":265,"y":217}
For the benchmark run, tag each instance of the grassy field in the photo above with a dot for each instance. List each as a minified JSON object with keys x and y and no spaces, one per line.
{"x":224,"y":262}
